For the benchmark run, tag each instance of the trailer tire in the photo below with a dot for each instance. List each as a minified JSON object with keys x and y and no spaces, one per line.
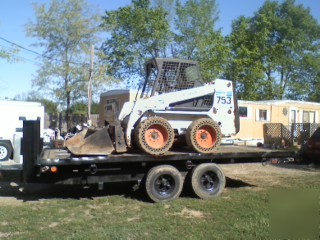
{"x":154,"y":135}
{"x":203,"y":135}
{"x":163,"y":183}
{"x":207,"y":180}
{"x":5,"y":150}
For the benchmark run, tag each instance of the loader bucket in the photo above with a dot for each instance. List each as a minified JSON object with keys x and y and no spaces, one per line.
{"x":90,"y":142}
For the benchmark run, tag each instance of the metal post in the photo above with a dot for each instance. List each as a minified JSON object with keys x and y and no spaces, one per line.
{"x":90,"y":85}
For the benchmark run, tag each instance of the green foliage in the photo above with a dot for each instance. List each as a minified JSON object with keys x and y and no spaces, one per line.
{"x":270,"y":49}
{"x":66,"y":30}
{"x":195,"y":37}
{"x":81,"y":108}
{"x":138,"y":32}
{"x":4,"y":54}
{"x":312,"y":74}
{"x":214,"y":54}
{"x":9,"y":54}
{"x":194,"y":22}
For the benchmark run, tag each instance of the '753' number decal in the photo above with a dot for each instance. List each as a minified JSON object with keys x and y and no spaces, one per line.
{"x":224,"y":100}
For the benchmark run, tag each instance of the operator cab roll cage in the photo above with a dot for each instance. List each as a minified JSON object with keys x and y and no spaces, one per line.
{"x":170,"y":75}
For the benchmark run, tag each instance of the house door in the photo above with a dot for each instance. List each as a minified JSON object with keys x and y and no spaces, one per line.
{"x":293,"y":121}
{"x":293,"y":117}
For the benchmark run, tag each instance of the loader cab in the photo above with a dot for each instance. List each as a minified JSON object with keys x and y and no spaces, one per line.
{"x":170,"y":75}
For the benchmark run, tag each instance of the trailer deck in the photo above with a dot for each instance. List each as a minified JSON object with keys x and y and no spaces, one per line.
{"x":222,"y":153}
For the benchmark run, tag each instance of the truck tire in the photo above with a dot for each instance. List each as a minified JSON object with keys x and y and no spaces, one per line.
{"x":207,"y":180}
{"x":154,"y":135}
{"x":203,"y":135}
{"x":163,"y":183}
{"x":5,"y":151}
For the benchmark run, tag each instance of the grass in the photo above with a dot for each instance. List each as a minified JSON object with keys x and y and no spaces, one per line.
{"x":240,"y":213}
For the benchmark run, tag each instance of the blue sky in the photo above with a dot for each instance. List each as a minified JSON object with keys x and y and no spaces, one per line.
{"x":15,"y":78}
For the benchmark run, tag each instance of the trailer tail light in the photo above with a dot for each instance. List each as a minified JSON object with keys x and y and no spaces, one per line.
{"x":54,"y":169}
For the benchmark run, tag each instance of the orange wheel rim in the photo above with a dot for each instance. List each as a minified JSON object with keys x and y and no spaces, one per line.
{"x":206,"y":137}
{"x":156,"y":136}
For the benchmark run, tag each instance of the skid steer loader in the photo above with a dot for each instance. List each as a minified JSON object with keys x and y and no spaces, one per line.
{"x":173,"y":105}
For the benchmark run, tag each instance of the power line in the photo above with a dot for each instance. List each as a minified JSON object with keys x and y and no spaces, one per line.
{"x":36,"y":53}
{"x":19,"y":46}
{"x":18,"y":55}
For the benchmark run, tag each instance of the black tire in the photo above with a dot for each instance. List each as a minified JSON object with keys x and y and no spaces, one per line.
{"x":203,"y":135}
{"x":154,"y":135}
{"x":5,"y":151}
{"x":207,"y":180}
{"x":163,"y":183}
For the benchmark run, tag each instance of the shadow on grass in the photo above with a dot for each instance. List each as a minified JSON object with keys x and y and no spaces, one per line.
{"x":236,"y":183}
{"x":303,"y":166}
{"x":35,"y":192}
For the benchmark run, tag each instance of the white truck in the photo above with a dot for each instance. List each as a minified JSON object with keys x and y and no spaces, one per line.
{"x":11,"y":122}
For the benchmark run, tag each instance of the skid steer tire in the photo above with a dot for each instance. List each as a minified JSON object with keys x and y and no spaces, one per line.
{"x":208,"y":180}
{"x":154,"y":135}
{"x":203,"y":135}
{"x":163,"y":183}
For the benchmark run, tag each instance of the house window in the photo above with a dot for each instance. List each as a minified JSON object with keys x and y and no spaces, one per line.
{"x":243,"y":112}
{"x":263,"y":115}
{"x":308,"y":117}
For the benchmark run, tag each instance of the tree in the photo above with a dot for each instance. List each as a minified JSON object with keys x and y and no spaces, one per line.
{"x":270,"y":51}
{"x":66,"y":30}
{"x":9,"y":53}
{"x":194,"y":21}
{"x":195,"y":37}
{"x":244,"y":65}
{"x":144,"y":30}
{"x":137,"y":32}
{"x":5,"y":54}
{"x":312,"y":74}
{"x":81,"y":108}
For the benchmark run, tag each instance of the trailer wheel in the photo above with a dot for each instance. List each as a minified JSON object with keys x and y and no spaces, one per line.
{"x":203,"y":135}
{"x":207,"y":180}
{"x":154,"y":135}
{"x":5,"y":151}
{"x":163,"y":183}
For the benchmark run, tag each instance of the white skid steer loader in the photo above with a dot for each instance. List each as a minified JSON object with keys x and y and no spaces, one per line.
{"x":173,"y":106}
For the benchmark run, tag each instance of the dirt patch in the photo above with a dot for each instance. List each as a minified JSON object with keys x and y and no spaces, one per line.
{"x":133,"y":219}
{"x":8,"y":235}
{"x":189,"y":213}
{"x":10,"y":201}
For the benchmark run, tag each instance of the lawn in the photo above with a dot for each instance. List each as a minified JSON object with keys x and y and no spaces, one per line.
{"x":242,"y":212}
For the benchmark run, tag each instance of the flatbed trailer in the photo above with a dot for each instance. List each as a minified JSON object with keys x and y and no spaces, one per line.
{"x":162,"y":176}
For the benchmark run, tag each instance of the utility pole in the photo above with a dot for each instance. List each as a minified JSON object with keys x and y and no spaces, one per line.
{"x":90,"y":85}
